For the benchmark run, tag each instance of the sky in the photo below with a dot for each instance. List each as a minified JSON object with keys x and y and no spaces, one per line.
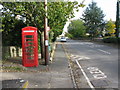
{"x":108,"y":7}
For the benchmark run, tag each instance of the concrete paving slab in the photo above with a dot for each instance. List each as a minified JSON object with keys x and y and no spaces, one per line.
{"x":58,"y":82}
{"x":56,"y":75}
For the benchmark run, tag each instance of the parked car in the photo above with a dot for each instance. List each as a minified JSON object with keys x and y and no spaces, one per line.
{"x":63,"y":39}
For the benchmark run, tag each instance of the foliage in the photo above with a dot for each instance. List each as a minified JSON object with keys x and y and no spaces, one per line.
{"x":76,"y":28}
{"x":28,"y":10}
{"x":13,"y":68}
{"x":12,"y":31}
{"x":32,"y":14}
{"x":68,"y":35}
{"x":61,"y":12}
{"x":93,"y":18}
{"x":117,"y":19}
{"x":110,"y":27}
{"x":111,"y":40}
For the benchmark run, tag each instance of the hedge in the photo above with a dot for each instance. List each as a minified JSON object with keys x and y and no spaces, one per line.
{"x":111,"y":40}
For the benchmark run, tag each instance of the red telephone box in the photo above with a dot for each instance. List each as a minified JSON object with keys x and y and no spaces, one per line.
{"x":29,"y":46}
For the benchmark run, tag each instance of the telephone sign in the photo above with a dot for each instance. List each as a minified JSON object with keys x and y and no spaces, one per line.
{"x":29,"y":46}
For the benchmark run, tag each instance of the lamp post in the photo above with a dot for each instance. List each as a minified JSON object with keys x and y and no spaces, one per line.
{"x":46,"y":35}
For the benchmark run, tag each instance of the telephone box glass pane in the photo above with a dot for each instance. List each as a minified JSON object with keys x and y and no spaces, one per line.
{"x":29,"y":39}
{"x":29,"y":36}
{"x":29,"y":47}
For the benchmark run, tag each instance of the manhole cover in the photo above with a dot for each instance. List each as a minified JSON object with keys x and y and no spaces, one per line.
{"x":99,"y":83}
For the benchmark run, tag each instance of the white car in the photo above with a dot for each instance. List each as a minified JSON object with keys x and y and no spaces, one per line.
{"x":63,"y":39}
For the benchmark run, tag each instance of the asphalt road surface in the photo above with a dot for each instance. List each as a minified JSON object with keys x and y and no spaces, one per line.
{"x":98,"y":62}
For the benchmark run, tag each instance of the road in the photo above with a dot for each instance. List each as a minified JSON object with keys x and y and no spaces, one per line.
{"x":98,"y":62}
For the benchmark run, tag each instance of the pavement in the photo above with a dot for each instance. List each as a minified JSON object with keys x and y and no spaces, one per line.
{"x":55,"y":75}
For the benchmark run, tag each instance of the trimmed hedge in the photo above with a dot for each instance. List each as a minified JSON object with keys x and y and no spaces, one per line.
{"x":111,"y":40}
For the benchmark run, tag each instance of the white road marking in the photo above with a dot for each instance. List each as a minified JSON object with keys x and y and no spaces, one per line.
{"x":79,"y":57}
{"x":86,"y":58}
{"x":92,"y":46}
{"x":88,"y":81}
{"x":92,"y":68}
{"x":104,"y":51}
{"x":75,"y":57}
{"x":88,"y":43}
{"x":97,"y":74}
{"x":71,"y":55}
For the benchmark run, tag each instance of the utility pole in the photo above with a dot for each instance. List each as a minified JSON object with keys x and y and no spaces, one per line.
{"x":46,"y":35}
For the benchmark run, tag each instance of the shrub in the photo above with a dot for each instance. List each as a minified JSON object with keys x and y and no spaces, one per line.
{"x":111,"y":40}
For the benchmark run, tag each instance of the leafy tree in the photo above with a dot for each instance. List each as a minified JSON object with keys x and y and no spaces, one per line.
{"x":110,"y":27}
{"x":11,"y":36}
{"x":27,"y":10}
{"x":76,"y":29}
{"x":34,"y":12}
{"x":93,"y":18}
{"x":58,"y":13}
{"x":58,"y":17}
{"x":118,"y":19}
{"x":68,"y":35}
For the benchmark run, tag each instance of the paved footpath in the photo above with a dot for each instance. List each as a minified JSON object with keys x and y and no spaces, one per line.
{"x":58,"y":75}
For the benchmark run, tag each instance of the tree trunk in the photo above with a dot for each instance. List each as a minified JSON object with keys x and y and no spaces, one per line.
{"x":42,"y":44}
{"x":117,"y":20}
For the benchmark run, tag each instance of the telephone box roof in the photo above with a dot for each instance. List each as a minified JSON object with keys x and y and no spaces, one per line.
{"x":29,"y":28}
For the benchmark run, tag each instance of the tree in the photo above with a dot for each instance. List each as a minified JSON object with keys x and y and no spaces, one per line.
{"x":30,"y":11}
{"x":93,"y":18}
{"x":118,"y":19}
{"x":58,"y":13}
{"x":61,"y":11}
{"x":34,"y":12}
{"x":110,"y":27}
{"x":76,"y":29}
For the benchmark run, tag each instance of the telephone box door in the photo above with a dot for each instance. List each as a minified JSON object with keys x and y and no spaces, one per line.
{"x":29,"y":47}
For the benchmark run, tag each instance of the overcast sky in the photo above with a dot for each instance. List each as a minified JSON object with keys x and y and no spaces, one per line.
{"x":108,"y":7}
